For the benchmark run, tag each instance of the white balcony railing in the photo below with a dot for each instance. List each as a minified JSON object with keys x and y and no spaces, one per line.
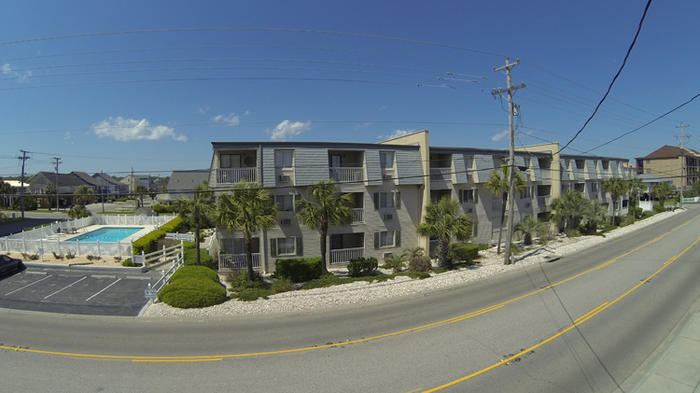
{"x":234,"y":175}
{"x":237,"y":262}
{"x":342,"y":255}
{"x":346,"y":173}
{"x":444,"y":174}
{"x":358,"y":215}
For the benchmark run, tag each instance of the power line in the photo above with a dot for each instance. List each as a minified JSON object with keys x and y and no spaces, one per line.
{"x":617,"y":74}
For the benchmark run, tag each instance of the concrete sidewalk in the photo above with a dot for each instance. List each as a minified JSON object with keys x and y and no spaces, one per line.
{"x":677,"y":369}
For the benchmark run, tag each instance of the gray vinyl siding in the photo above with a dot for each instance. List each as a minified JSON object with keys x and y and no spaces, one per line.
{"x":519,"y":161}
{"x":483,"y":164}
{"x":614,"y":168}
{"x":409,"y":169}
{"x":460,"y":169}
{"x":591,"y":170}
{"x":268,"y":166}
{"x":374,"y":172}
{"x":311,"y":165}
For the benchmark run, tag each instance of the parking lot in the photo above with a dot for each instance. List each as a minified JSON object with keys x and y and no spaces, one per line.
{"x":76,"y":291}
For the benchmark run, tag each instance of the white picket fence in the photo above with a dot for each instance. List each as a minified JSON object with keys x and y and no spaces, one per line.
{"x":44,"y":240}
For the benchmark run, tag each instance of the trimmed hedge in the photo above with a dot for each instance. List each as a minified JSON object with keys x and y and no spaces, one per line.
{"x":463,"y":252}
{"x":160,"y":209}
{"x":204,"y":257}
{"x":362,"y":267}
{"x":298,"y":269}
{"x":192,"y":292}
{"x":149,"y":242}
{"x":194,"y":272}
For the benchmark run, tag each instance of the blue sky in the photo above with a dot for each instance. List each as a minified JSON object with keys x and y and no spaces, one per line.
{"x":155,"y":101}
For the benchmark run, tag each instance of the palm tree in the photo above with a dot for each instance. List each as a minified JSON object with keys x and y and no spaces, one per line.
{"x":443,"y":221}
{"x":661,"y":191}
{"x":325,"y":208}
{"x":636,"y":187}
{"x":197,"y":212}
{"x":498,"y":184}
{"x":617,"y":187}
{"x":527,"y":226}
{"x":50,"y":192}
{"x":593,"y":215}
{"x":569,"y":208}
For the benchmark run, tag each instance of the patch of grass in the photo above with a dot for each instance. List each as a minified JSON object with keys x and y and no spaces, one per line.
{"x":253,"y":294}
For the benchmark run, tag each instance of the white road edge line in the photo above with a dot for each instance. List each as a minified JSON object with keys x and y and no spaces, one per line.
{"x":28,"y":285}
{"x":66,"y":287}
{"x":103,"y":289}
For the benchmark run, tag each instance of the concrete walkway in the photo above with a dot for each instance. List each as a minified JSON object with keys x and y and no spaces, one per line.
{"x":677,"y":369}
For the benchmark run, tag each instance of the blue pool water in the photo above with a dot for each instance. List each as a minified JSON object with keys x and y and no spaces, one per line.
{"x":107,"y":234}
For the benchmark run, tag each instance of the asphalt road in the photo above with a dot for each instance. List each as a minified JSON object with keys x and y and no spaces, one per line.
{"x":582,"y":324}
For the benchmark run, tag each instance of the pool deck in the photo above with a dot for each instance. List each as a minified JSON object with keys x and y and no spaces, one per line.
{"x":80,"y":231}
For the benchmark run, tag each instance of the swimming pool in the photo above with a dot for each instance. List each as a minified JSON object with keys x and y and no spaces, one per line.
{"x":106,"y":234}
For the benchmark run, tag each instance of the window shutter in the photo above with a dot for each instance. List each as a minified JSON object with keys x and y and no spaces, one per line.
{"x":376,"y":240}
{"x":397,"y":199}
{"x":397,"y":239}
{"x":375,"y":198}
{"x":476,"y":195}
{"x":300,"y":247}
{"x":460,"y":195}
{"x":273,"y":247}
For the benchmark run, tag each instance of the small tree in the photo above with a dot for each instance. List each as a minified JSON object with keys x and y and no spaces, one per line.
{"x":443,"y":221}
{"x":661,"y":191}
{"x":249,"y":209}
{"x":84,"y":195}
{"x":141,"y":191}
{"x":325,"y":208}
{"x":569,"y":209}
{"x":636,"y":187}
{"x":78,"y":211}
{"x":499,"y":184}
{"x":617,"y":187}
{"x":527,"y":226}
{"x":51,"y":196}
{"x":197,"y":213}
{"x":594,"y":214}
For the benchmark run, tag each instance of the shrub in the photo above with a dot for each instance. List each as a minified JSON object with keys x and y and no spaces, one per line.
{"x":638,"y":212}
{"x":298,"y":269}
{"x":57,"y":256}
{"x":252,"y":294}
{"x":658,"y":208}
{"x":33,"y":257}
{"x":195,"y":272}
{"x":69,"y":255}
{"x":29,"y":203}
{"x":572,"y":233}
{"x":627,"y":220}
{"x":362,"y":267}
{"x":282,"y":285}
{"x":647,"y":214}
{"x":79,"y":211}
{"x":117,"y":259}
{"x":190,"y":251}
{"x":128,"y":263}
{"x":149,"y":242}
{"x":324,"y":281}
{"x":93,"y":257}
{"x":161,"y":209}
{"x":239,"y":280}
{"x":395,"y":263}
{"x":463,"y":252}
{"x":192,"y":292}
{"x":417,"y":261}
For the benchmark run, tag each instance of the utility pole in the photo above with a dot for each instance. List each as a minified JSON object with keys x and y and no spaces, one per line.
{"x":102,"y":190}
{"x":24,"y":158}
{"x":681,"y":139}
{"x":511,"y":155}
{"x":56,"y":161}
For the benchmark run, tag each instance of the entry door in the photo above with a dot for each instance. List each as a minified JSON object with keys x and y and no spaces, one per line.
{"x":335,"y":161}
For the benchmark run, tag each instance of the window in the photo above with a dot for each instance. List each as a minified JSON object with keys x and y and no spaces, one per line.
{"x":544,"y":190}
{"x":386,"y":239}
{"x":580,"y":164}
{"x":286,"y":246}
{"x":387,"y":200}
{"x":230,"y":161}
{"x":593,"y":187}
{"x":580,"y":187}
{"x":284,"y":158}
{"x":606,"y":164}
{"x":648,"y":161}
{"x":544,"y":163}
{"x":386,"y":159}
{"x":526,"y":193}
{"x":285,"y":203}
{"x":467,"y":196}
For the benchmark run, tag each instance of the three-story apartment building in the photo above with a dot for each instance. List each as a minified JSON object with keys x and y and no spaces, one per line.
{"x":392,"y":183}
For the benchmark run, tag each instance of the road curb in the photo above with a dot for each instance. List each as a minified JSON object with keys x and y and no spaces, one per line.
{"x":84,"y":267}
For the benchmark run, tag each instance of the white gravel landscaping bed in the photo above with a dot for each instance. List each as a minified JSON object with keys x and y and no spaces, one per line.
{"x":362,"y":292}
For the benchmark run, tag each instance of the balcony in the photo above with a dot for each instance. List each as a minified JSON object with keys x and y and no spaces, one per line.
{"x":346,"y":174}
{"x":444,"y":174}
{"x":237,"y":262}
{"x":343,"y":255}
{"x":357,"y":215}
{"x":235,"y":175}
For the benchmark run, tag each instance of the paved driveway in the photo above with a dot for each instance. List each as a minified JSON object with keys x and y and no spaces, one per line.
{"x":76,"y":291}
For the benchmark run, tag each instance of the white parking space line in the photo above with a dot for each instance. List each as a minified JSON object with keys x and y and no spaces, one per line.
{"x":64,"y":288}
{"x":103,"y":289}
{"x":40,"y":273}
{"x":103,"y":276}
{"x":28,"y":285}
{"x":137,"y":278}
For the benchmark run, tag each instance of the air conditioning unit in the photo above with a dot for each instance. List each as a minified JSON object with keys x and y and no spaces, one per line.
{"x":388,"y":216}
{"x":284,"y":178}
{"x":285,"y":221}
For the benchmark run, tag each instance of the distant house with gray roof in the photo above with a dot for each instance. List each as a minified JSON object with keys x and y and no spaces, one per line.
{"x":183,"y":183}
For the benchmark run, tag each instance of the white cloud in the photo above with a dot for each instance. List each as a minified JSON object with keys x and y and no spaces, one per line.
{"x":287,"y":129}
{"x":396,"y":134}
{"x":124,"y":130}
{"x":6,"y":69}
{"x":499,"y":135}
{"x":203,"y":110}
{"x":231,"y":119}
{"x":67,"y":136}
